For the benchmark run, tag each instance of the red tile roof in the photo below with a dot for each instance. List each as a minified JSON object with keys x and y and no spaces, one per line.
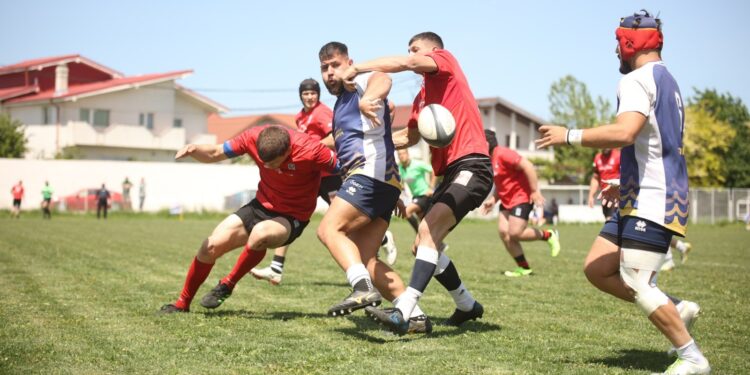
{"x":227,"y":127}
{"x":13,"y":92}
{"x":54,"y":60}
{"x":101,"y":87}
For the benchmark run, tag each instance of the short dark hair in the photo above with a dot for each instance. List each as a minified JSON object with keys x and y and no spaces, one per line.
{"x":332,"y":48}
{"x":428,"y":35}
{"x":273,"y":142}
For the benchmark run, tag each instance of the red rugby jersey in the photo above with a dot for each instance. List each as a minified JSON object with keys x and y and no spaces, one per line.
{"x":608,"y":168}
{"x":293,"y":188}
{"x":511,"y":184}
{"x":448,"y":87}
{"x":317,"y":123}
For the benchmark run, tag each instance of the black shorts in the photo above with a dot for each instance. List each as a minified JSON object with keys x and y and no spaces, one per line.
{"x":466,"y":184}
{"x":17,"y":203}
{"x":608,"y":211}
{"x":422,"y":201}
{"x":254,"y":212}
{"x":633,"y":232}
{"x":329,"y":184}
{"x":520,"y":210}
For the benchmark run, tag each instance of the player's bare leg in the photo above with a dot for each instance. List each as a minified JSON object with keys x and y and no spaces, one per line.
{"x":341,"y":220}
{"x":602,"y":269}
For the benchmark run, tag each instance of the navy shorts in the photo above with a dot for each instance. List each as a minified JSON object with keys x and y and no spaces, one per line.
{"x":633,"y":232}
{"x":374,"y":198}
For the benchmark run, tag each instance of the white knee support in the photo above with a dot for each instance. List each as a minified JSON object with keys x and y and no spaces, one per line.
{"x":636,"y":269}
{"x":442,"y":264}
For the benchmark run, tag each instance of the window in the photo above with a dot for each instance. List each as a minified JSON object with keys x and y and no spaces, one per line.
{"x":507,"y":140}
{"x":147,"y":120}
{"x":101,"y":117}
{"x":84,"y":114}
{"x":177,"y":123}
{"x":49,"y":115}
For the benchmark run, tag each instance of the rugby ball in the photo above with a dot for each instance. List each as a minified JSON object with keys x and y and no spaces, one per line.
{"x":436,"y":125}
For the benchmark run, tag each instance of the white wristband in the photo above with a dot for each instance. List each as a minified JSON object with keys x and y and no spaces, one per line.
{"x":574,"y":137}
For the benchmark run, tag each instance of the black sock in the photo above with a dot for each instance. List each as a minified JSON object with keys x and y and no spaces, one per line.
{"x":449,"y":279}
{"x":277,"y":264}
{"x":521,"y":262}
{"x":414,"y":222}
{"x":674,"y":300}
{"x":421,"y":274}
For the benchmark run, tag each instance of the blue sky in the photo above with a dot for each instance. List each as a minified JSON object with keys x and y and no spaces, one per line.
{"x":252,"y":55}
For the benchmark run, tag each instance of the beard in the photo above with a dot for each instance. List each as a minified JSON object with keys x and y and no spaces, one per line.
{"x":625,"y":67}
{"x":335,"y":88}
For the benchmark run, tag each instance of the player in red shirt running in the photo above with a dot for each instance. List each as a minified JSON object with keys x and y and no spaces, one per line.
{"x":464,"y":164}
{"x":17,"y":192}
{"x":290,"y":164}
{"x":606,"y":168}
{"x":516,"y":188}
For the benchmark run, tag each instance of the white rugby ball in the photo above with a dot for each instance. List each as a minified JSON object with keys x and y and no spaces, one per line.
{"x":436,"y":125}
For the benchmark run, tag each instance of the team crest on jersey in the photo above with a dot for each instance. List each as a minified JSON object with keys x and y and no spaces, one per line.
{"x":291,"y":167}
{"x":640,"y":226}
{"x":351,"y":190}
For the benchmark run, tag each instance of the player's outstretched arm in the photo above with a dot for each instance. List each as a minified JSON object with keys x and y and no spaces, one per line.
{"x":393,"y":64}
{"x":378,"y":87}
{"x":202,"y":153}
{"x":620,"y":134}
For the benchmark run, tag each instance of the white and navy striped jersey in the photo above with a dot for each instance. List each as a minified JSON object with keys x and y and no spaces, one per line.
{"x":653,"y":173}
{"x":362,"y":147}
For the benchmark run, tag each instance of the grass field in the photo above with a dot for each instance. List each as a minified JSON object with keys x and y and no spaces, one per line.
{"x":79,"y":296}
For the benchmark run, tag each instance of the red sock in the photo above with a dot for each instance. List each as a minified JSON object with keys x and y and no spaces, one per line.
{"x":196,"y":275}
{"x":546,"y":234}
{"x":247,"y":260}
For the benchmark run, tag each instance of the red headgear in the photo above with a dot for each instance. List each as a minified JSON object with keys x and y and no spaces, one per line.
{"x":637,"y":33}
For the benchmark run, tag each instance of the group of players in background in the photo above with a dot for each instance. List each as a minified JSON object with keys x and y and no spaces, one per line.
{"x":650,"y":191}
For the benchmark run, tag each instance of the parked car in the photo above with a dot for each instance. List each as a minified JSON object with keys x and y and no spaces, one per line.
{"x":85,"y":200}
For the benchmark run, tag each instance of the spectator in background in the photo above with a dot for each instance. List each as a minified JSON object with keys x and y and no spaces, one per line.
{"x":46,"y":199}
{"x":102,"y":202}
{"x":17,"y":192}
{"x":141,"y":193}
{"x":126,"y":185}
{"x":552,"y":212}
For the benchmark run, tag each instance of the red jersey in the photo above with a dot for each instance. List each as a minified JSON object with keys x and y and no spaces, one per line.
{"x":17,"y":192}
{"x":607,"y":168}
{"x":511,"y":184}
{"x":293,"y":188}
{"x":449,"y":88}
{"x":317,"y":123}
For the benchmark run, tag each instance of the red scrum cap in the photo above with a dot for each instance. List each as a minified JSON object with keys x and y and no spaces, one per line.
{"x":638,"y":32}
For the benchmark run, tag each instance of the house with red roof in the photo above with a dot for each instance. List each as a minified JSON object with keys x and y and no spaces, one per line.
{"x":73,"y":106}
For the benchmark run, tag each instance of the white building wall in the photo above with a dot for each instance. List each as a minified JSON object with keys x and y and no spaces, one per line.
{"x":194,"y":118}
{"x":27,"y":114}
{"x":191,"y":185}
{"x":125,"y":106}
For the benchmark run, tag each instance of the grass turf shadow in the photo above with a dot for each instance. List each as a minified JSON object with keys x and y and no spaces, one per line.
{"x":275,"y":315}
{"x":653,"y":361}
{"x":364,"y":326}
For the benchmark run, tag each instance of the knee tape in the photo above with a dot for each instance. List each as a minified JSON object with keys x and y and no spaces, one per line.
{"x":442,"y":264}
{"x":636,"y":268}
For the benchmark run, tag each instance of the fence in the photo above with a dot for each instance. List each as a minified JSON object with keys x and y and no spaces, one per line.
{"x":707,"y":205}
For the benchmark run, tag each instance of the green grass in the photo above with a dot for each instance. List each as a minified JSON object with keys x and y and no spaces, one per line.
{"x":79,"y":296}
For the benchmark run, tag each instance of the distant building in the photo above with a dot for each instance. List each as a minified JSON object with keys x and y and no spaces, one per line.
{"x":74,"y":106}
{"x":225,"y":128}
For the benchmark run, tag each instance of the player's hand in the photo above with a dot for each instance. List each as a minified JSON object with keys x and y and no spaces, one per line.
{"x":429,"y":192}
{"x":370,"y":107}
{"x":591,"y":201}
{"x":400,"y":209}
{"x":185,"y":151}
{"x":551,"y":135}
{"x":537,"y":198}
{"x":348,"y":77}
{"x":610,"y":196}
{"x":487,"y":206}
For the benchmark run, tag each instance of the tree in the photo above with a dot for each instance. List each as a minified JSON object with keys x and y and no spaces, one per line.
{"x":571,"y":105}
{"x":704,"y":150}
{"x":12,"y":138}
{"x":732,"y":111}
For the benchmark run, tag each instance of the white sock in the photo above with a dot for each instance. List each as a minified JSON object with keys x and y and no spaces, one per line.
{"x":463,"y":298}
{"x":680,"y":245}
{"x":407,"y":301}
{"x":357,"y":272}
{"x":414,"y":313}
{"x":690,"y":352}
{"x":668,"y":257}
